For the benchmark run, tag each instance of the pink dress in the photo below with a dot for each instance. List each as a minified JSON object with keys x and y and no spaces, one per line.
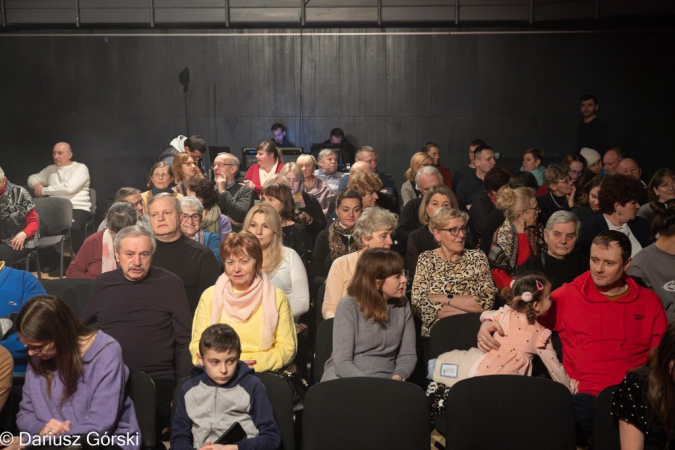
{"x":521,"y":341}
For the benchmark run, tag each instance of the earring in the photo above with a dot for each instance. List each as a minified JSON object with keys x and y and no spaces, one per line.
{"x":618,"y":213}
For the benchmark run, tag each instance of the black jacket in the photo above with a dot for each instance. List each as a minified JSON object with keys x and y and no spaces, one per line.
{"x":592,"y":227}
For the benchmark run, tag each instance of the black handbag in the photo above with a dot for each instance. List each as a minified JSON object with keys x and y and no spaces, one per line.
{"x":296,"y":382}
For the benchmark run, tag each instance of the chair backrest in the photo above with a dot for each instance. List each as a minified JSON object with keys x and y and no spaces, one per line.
{"x":521,"y":412}
{"x":92,"y":199}
{"x":454,"y":333}
{"x":141,"y":389}
{"x":365,"y":413}
{"x":55,"y":214}
{"x":319,"y":303}
{"x":605,"y":427}
{"x":323,"y":347}
{"x":281,"y":398}
{"x":5,"y":325}
{"x":74,"y":291}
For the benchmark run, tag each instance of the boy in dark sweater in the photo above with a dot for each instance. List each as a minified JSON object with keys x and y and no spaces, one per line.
{"x":223,"y":391}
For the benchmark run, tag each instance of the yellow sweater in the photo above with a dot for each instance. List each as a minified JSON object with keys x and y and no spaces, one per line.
{"x":285,"y":343}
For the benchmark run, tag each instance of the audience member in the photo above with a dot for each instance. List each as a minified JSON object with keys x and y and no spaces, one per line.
{"x":270,"y":161}
{"x":559,"y":263}
{"x":484,"y":215}
{"x":18,"y":222}
{"x":532,"y":159}
{"x":278,"y":195}
{"x":373,"y":230}
{"x":68,"y":179}
{"x":611,"y":160}
{"x":561,"y":192}
{"x":520,"y":236}
{"x":133,"y":196}
{"x":592,"y":315}
{"x":186,"y":258}
{"x":373,"y":332}
{"x":618,"y":201}
{"x":281,"y":264}
{"x":422,"y":239}
{"x":184,"y":169}
{"x":327,"y":171}
{"x":368,"y":185}
{"x":279,"y":136}
{"x":310,"y":211}
{"x":661,"y":188}
{"x":433,"y":150}
{"x":234,"y":198}
{"x":16,"y":288}
{"x":314,"y":186}
{"x":592,"y":131}
{"x":409,"y":220}
{"x":472,"y":185}
{"x":465,"y":171}
{"x":214,"y":221}
{"x":97,"y":254}
{"x":451,"y":279}
{"x":367,"y":154}
{"x":593,"y":161}
{"x":644,"y":401}
{"x":408,"y":190}
{"x":145,"y":309}
{"x":6,"y":372}
{"x":630,"y":168}
{"x":358,"y":166}
{"x":523,"y":179}
{"x":577,"y":172}
{"x":75,"y":384}
{"x":337,"y":136}
{"x":245,"y":298}
{"x":651,"y":267}
{"x":190,"y":218}
{"x":229,"y":390}
{"x":161,"y":179}
{"x":592,"y":209}
{"x":195,"y":146}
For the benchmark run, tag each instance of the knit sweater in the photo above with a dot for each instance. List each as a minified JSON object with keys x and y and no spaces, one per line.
{"x":291,"y":277}
{"x":71,"y":182}
{"x":339,"y":277}
{"x":89,"y":260}
{"x":285,"y":342}
{"x":99,"y":404}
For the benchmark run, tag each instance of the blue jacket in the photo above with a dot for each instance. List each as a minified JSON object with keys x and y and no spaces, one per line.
{"x":212,"y":241}
{"x":205,"y":410}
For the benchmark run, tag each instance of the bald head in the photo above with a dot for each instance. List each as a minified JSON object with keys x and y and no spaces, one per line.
{"x":360,"y":166}
{"x":630,"y":167}
{"x":62,"y":154}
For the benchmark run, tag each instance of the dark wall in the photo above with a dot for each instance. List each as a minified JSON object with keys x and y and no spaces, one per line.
{"x":117,"y":99}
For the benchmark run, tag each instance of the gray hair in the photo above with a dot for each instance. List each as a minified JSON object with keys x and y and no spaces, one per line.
{"x":374,"y":219}
{"x":192,"y":203}
{"x":231,"y":158}
{"x":134,"y":231}
{"x":363,"y":149}
{"x":428,"y":170}
{"x":563,"y":217}
{"x":326,"y":152}
{"x":444,"y":214}
{"x":121,"y":215}
{"x":162,"y":195}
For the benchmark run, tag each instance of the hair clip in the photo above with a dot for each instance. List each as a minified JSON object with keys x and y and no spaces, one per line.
{"x":540,"y":286}
{"x":512,"y":283}
{"x":527,"y":296}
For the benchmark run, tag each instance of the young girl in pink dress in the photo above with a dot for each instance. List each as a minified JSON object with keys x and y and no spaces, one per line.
{"x":523,"y":338}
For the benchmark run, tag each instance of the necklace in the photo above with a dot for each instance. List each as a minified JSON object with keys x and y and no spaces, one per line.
{"x":556,"y":203}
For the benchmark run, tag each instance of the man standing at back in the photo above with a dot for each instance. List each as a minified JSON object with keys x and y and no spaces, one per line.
{"x":234,"y":198}
{"x":592,"y":131}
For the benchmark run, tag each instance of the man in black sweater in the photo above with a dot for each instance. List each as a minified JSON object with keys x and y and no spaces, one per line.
{"x":234,"y":199}
{"x":192,"y":262}
{"x":145,"y":309}
{"x":592,"y":131}
{"x":409,"y":220}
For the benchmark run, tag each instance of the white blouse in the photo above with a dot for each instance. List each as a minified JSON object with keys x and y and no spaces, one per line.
{"x":291,"y":277}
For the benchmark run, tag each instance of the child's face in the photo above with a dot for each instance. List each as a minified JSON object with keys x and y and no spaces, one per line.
{"x":545,"y":303}
{"x":219,"y":366}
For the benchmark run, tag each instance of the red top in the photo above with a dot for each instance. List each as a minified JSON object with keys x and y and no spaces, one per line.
{"x":447,"y":175}
{"x":501,"y":278}
{"x":253,"y":175}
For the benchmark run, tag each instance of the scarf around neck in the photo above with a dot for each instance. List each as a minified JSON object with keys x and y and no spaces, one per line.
{"x":108,"y":262}
{"x":336,"y":244}
{"x":199,"y":237}
{"x":210,"y":220}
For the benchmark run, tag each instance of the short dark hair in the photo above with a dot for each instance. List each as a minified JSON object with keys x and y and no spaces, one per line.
{"x":203,"y":189}
{"x":605,"y":238}
{"x":196,"y":143}
{"x":589,"y":97}
{"x":428,"y":146}
{"x":348,"y":193}
{"x":658,"y":178}
{"x":619,"y":189}
{"x":221,"y":338}
{"x":337,"y":132}
{"x":496,"y":178}
{"x":536,"y":153}
{"x":277,"y":125}
{"x":477,"y":143}
{"x":523,"y":179}
{"x":663,"y":222}
{"x":121,"y":215}
{"x":479,"y":149}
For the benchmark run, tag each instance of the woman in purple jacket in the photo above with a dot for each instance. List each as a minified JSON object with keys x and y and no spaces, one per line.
{"x":75,"y":383}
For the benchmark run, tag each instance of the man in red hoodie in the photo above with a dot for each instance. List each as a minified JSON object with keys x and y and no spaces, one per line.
{"x":607,"y":323}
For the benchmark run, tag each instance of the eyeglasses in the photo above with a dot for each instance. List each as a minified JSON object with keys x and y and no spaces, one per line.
{"x":573,"y":172}
{"x":454,"y":230}
{"x":191,"y":218}
{"x":37,"y":350}
{"x":222,"y":164}
{"x":536,"y":209}
{"x":189,"y":164}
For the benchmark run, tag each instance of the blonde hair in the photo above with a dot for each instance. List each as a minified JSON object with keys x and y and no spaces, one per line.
{"x":292,"y":167}
{"x":415,"y":163}
{"x":274,"y":253}
{"x":515,"y":201}
{"x":444,"y":215}
{"x":306,"y":159}
{"x":438,"y":189}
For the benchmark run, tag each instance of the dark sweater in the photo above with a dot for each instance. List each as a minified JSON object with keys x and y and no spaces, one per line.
{"x":148,"y":318}
{"x":469,"y":188}
{"x":419,"y":241}
{"x":547,"y":204}
{"x":460,"y":174}
{"x":313,"y":209}
{"x":557,"y":271}
{"x":592,"y":227}
{"x":485,"y":218}
{"x":190,"y":261}
{"x":408,"y":221}
{"x":594,"y":134}
{"x":235,"y":202}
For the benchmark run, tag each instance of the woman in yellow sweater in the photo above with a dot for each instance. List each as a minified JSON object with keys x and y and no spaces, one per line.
{"x":245,"y":298}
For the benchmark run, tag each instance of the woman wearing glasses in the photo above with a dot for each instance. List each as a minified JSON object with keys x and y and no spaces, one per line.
{"x":576,"y":165}
{"x":75,"y":384}
{"x":451,"y":279}
{"x":161,"y":180}
{"x":214,"y":221}
{"x":184,"y":169}
{"x":561,"y":195}
{"x":520,"y":236}
{"x":190,"y":219}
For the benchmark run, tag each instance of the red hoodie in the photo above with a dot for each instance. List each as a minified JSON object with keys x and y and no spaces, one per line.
{"x":602,"y":339}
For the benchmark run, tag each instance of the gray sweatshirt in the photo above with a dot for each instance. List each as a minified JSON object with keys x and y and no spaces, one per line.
{"x":653,"y":268}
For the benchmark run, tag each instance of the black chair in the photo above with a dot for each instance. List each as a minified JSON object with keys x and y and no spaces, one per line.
{"x":319,"y":304}
{"x":281,"y":398}
{"x":74,"y":291}
{"x":91,"y":223}
{"x":454,"y":333}
{"x":141,"y":389}
{"x":365,"y":413}
{"x":323,"y":348}
{"x":56,"y":218}
{"x":605,"y":428}
{"x":510,"y":412}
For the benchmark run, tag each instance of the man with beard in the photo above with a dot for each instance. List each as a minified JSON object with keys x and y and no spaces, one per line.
{"x":592,"y":131}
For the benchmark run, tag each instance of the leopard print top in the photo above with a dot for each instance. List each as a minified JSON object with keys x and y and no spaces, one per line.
{"x":469,"y":275}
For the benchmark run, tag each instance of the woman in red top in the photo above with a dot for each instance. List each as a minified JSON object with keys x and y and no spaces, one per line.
{"x":269,"y":162}
{"x":18,"y":222}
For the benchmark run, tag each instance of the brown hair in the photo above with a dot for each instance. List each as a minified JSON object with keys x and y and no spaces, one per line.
{"x":242,"y":244}
{"x":415,"y":164}
{"x":573,"y":157}
{"x":375,"y":264}
{"x":555,"y":173}
{"x":619,"y":189}
{"x":180,"y":159}
{"x":270,"y":147}
{"x":204,"y":191}
{"x":527,"y":283}
{"x":536,"y":153}
{"x":159,"y":165}
{"x":348,"y":193}
{"x":657,"y":179}
{"x":282,"y":192}
{"x":438,"y":189}
{"x":605,"y":238}
{"x":364,"y":183}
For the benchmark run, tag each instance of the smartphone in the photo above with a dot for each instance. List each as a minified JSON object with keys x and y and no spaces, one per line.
{"x":233,"y":435}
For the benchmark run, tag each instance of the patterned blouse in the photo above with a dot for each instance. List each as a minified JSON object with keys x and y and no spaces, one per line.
{"x":469,"y":275}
